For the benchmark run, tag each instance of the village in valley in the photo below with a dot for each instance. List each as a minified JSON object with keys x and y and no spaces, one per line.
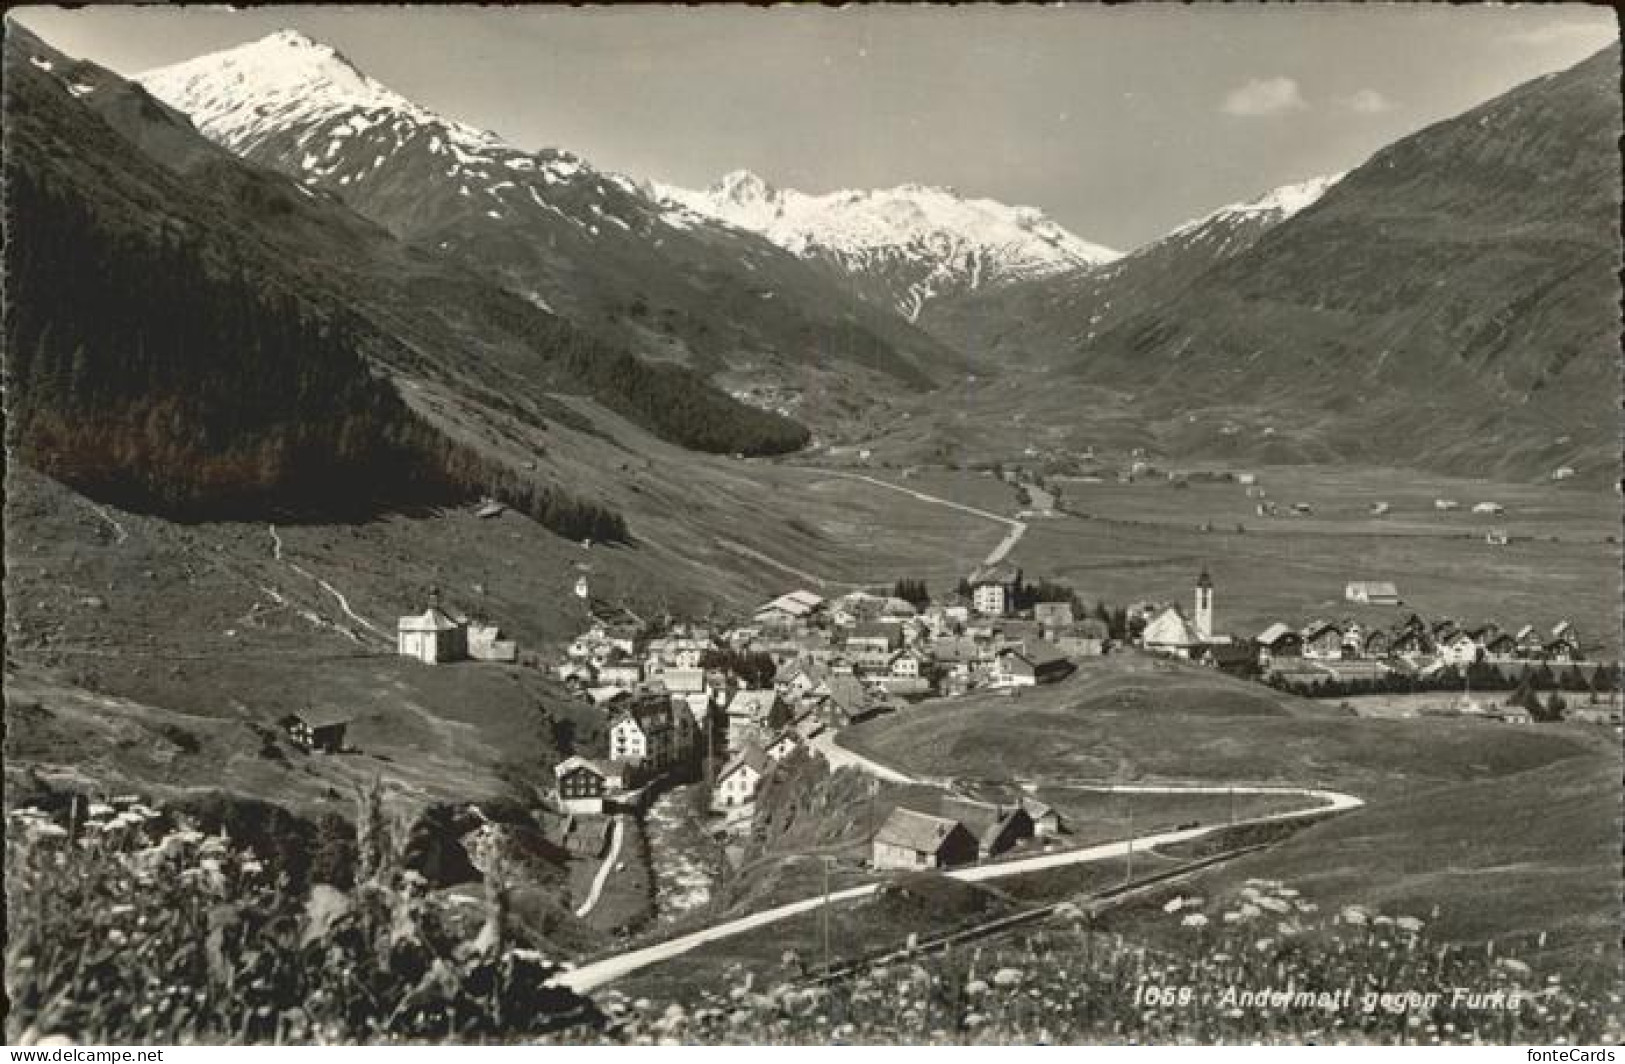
{"x":723,"y":703}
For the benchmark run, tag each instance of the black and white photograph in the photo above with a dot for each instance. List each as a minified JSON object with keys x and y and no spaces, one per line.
{"x":917,"y":525}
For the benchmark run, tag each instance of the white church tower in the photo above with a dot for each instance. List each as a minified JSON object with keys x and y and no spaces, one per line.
{"x":1203,"y":617}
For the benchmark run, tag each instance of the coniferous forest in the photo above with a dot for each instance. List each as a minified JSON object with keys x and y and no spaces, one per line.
{"x":144,"y":377}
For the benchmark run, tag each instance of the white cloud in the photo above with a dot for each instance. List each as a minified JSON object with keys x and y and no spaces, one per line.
{"x":1262,"y":97}
{"x":1368,"y":102}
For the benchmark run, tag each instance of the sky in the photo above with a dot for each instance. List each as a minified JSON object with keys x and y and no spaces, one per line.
{"x":1119,"y":122}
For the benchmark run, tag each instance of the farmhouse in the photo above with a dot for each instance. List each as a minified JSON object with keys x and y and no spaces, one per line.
{"x":1030,"y":664}
{"x":997,"y":828}
{"x":740,"y":778}
{"x":919,"y":840}
{"x":431,"y":636}
{"x":583,"y":784}
{"x":323,"y":733}
{"x":1372,"y":593}
{"x":1046,"y":821}
{"x":1489,"y":508}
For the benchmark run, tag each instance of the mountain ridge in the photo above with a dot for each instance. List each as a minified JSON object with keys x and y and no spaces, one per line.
{"x":584,"y":244}
{"x":911,"y":242}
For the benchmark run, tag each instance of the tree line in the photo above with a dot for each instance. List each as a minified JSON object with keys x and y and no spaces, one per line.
{"x":671,"y":401}
{"x":143,"y":376}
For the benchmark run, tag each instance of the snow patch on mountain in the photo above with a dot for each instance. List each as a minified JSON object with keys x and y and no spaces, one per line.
{"x":1273,"y":207}
{"x":929,"y":240}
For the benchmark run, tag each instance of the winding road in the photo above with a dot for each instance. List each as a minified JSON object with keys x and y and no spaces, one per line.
{"x":1018,"y":528}
{"x":606,"y":970}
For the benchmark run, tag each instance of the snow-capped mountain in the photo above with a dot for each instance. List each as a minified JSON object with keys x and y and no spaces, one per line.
{"x":592,"y":246}
{"x":1237,"y":224}
{"x":911,"y":243}
{"x":1065,"y":311}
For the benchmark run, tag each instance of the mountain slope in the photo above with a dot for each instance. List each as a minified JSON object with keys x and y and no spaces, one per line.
{"x":1453,"y":303}
{"x":905,"y":246}
{"x":419,"y":314}
{"x":1044,"y":319}
{"x":588,"y":245}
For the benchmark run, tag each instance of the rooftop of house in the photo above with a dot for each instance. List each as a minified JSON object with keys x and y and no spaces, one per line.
{"x":916,"y":831}
{"x":752,"y":757}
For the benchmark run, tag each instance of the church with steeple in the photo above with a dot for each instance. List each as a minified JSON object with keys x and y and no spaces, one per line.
{"x":1171,"y":632}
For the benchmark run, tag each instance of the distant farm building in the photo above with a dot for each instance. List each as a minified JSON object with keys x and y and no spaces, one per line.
{"x":1497,"y":537}
{"x":1446,"y":504}
{"x":1489,"y":508}
{"x":1030,"y":664}
{"x":323,"y":734}
{"x":1379,"y":509}
{"x":1372,"y":592}
{"x":909,"y":839}
{"x":432,"y":636}
{"x":1562,"y":472}
{"x":796,"y":607}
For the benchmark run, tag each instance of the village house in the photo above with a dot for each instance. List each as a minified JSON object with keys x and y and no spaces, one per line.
{"x":993,"y":594}
{"x":848,"y":702}
{"x":1084,"y":639}
{"x":1053,"y":615}
{"x":1460,"y":649}
{"x":619,"y":671}
{"x":582,"y":784}
{"x":1378,"y":644}
{"x":1045,"y":820}
{"x":321,"y":733}
{"x":431,"y":636}
{"x":1322,"y":640}
{"x":807,"y":725}
{"x":1278,"y":641}
{"x":912,"y":840}
{"x":996,"y":828}
{"x":682,"y":681}
{"x":1372,"y":592}
{"x":652,"y":733}
{"x":737,"y":783}
{"x":905,"y":665}
{"x":873,"y":638}
{"x":1029,"y":665}
{"x":785,"y":743}
{"x":485,"y":643}
{"x":748,"y":715}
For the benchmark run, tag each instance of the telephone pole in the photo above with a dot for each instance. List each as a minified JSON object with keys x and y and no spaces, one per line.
{"x":1128,"y":876}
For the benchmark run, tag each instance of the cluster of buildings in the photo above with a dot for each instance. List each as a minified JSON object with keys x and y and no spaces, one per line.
{"x":1421,"y":645}
{"x":751,"y":694}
